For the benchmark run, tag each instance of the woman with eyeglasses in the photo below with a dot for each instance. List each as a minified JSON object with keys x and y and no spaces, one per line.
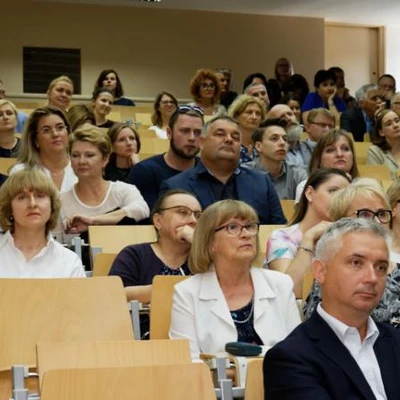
{"x":228,"y":300}
{"x":174,"y":217}
{"x":125,"y":141}
{"x":334,"y":150}
{"x":165,"y":105}
{"x":290,"y":249}
{"x":205,"y":91}
{"x":93,"y":200}
{"x":386,"y":142}
{"x":365,"y":198}
{"x":9,"y":143}
{"x":44,"y":145}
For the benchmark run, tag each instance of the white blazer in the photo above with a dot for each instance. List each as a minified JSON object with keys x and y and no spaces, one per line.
{"x":201,"y":315}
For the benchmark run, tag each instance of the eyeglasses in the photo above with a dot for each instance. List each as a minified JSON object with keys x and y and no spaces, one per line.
{"x":167,"y":102}
{"x":323,"y":125}
{"x":207,"y":86}
{"x":184,"y":211}
{"x":48,"y":130}
{"x":236,"y":229}
{"x":384,"y":216}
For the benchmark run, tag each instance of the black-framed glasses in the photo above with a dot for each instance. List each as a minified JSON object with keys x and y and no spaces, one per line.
{"x":384,"y":216}
{"x":184,"y":211}
{"x":236,"y":229}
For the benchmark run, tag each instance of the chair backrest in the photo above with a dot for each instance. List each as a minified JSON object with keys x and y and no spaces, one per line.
{"x":263,"y":235}
{"x":126,"y":112}
{"x":161,"y":305}
{"x":6,"y":164}
{"x":102,"y":263}
{"x":113,"y":238}
{"x":378,"y":172}
{"x":361,"y":150}
{"x":254,"y":389}
{"x":146,"y":133}
{"x":56,"y":310}
{"x":111,"y":354}
{"x":288,"y":209}
{"x":114,"y":116}
{"x":167,"y":382}
{"x":154,"y":145}
{"x":143,"y":118}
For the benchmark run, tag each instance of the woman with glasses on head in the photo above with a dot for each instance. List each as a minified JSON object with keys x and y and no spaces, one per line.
{"x":205,"y":91}
{"x":44,"y":145}
{"x":9,"y":143}
{"x":60,"y":92}
{"x":125,"y":142}
{"x":290,"y":249}
{"x":227,"y":299}
{"x":174,"y":217}
{"x":365,"y":198}
{"x":386,"y":141}
{"x":164,"y":106}
{"x":109,"y":79}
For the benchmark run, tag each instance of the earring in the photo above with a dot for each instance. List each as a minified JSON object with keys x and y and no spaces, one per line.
{"x":11,"y":218}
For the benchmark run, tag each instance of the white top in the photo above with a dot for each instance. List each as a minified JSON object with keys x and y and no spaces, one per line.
{"x":69,"y":179}
{"x":201,"y":315}
{"x":53,"y":261}
{"x":362,"y":352}
{"x":299,"y":191}
{"x":160,"y":133}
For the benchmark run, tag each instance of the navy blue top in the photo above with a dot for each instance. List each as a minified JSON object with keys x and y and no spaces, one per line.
{"x":243,"y":319}
{"x":123,"y":101}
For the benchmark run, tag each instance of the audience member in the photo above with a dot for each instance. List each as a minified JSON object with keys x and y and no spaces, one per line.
{"x":29,"y":209}
{"x":205,"y":91}
{"x":79,"y":115}
{"x":260,"y":91}
{"x":395,"y":102}
{"x":342,"y":90}
{"x":365,"y":198}
{"x":334,"y":150}
{"x":93,"y":200}
{"x":386,"y":141}
{"x":325,"y":95}
{"x":250,"y":305}
{"x":59,"y":93}
{"x":394,"y":197}
{"x":217,"y":176}
{"x":44,"y":145}
{"x":21,"y":116}
{"x":340,"y":352}
{"x":294,"y":103}
{"x":184,"y":132}
{"x":298,"y":86}
{"x":360,"y":119}
{"x":257,"y":77}
{"x":225,"y":79}
{"x":387,"y":84}
{"x":309,"y":222}
{"x":283,"y":71}
{"x":125,"y":142}
{"x":164,"y":106}
{"x":110,"y":80}
{"x":271,"y":145}
{"x":102,"y":101}
{"x":174,"y":217}
{"x":249,"y":112}
{"x":9,"y":143}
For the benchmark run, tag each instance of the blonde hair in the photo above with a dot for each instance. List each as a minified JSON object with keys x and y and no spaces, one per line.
{"x":363,"y":187}
{"x":240,"y":104}
{"x":93,"y":135}
{"x":394,"y":193}
{"x":217,"y":214}
{"x":62,"y":78}
{"x":6,"y":102}
{"x":319,"y":111}
{"x":30,"y":179}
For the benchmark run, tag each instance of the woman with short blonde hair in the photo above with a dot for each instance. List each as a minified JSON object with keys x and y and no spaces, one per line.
{"x":9,"y":142}
{"x":59,"y":92}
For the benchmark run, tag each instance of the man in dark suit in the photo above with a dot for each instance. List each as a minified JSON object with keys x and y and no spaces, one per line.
{"x":218,"y":175}
{"x":360,"y":119}
{"x":340,"y":353}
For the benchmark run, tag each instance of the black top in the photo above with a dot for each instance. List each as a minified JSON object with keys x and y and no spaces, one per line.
{"x":11,"y":153}
{"x":123,"y":101}
{"x":107,"y":124}
{"x":113,"y":173}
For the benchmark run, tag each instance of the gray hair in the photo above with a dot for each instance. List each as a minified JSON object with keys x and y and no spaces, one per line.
{"x":254,"y":85}
{"x":222,"y":117}
{"x":361,"y":94}
{"x":330,"y":242}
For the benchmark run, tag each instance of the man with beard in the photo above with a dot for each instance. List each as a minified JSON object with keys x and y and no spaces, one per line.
{"x":184,"y":131}
{"x":219,"y":176}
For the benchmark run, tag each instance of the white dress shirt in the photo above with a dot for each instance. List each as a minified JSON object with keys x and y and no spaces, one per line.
{"x":53,"y":261}
{"x":362,"y":352}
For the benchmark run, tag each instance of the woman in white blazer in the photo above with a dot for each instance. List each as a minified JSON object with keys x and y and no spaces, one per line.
{"x":227,"y":299}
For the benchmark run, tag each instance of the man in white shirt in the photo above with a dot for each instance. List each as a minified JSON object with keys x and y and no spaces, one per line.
{"x":340,"y":352}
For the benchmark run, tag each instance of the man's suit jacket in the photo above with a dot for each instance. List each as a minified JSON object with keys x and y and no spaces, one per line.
{"x":252,"y":187}
{"x":312,"y":363}
{"x":201,"y":315}
{"x":352,"y":120}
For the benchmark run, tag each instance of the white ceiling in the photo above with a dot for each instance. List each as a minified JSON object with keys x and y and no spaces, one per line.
{"x":376,"y":12}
